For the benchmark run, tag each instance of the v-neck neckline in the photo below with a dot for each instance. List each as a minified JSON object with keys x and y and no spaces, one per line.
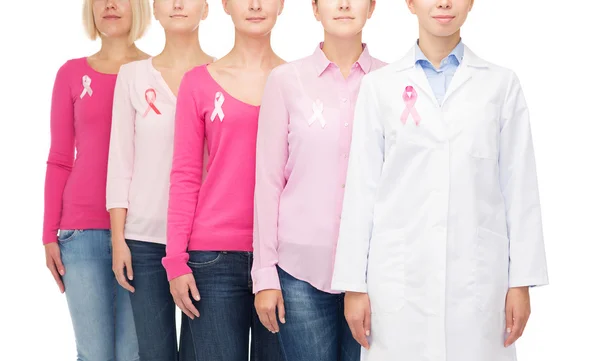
{"x":161,"y":80}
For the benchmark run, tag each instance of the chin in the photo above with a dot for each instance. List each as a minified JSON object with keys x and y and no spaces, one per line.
{"x":181,"y":28}
{"x":114,"y":33}
{"x":344,"y":33}
{"x":258,"y":29}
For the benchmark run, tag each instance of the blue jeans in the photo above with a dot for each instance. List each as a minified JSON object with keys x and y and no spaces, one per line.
{"x":227,"y":313}
{"x":100,"y":309}
{"x":152,"y":303}
{"x":315,"y":327}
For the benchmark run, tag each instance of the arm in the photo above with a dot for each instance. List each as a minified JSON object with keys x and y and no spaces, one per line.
{"x":120,"y":171}
{"x":186,"y":178}
{"x":519,"y":186}
{"x":61,"y":156}
{"x":364,"y":172}
{"x":120,"y":157}
{"x":271,"y":158}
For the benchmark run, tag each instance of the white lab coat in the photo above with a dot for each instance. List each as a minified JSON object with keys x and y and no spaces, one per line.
{"x":440,"y":218}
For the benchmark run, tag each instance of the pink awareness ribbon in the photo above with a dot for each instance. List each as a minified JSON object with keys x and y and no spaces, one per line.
{"x":150,"y":99}
{"x":410,"y":99}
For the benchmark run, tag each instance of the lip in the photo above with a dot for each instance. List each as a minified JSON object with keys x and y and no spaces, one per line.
{"x":111,"y":17}
{"x":343,"y":18}
{"x":444,"y":19}
{"x":256,"y":19}
{"x":178,"y":16}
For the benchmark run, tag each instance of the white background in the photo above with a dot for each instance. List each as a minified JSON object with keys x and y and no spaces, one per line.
{"x":552,"y":45}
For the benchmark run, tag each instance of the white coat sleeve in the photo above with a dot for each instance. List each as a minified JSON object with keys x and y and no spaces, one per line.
{"x":519,"y":185}
{"x":364,"y":171}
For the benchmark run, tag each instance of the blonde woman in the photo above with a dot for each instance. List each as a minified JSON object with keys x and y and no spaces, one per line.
{"x":80,"y":256}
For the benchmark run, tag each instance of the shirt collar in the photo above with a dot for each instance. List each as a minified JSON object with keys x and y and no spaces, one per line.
{"x":455,"y":55}
{"x":321,"y":62}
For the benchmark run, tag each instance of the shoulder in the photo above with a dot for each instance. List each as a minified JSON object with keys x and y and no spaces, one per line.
{"x":72,"y":68}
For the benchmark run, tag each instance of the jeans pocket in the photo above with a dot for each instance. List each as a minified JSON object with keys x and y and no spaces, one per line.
{"x":203,"y":258}
{"x":67,"y":235}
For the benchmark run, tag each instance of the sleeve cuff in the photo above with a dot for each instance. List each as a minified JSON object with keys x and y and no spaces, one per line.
{"x":176,"y":266}
{"x":50,"y":237}
{"x":265,"y":279}
{"x":348,"y":287}
{"x":528,"y":282}
{"x":114,"y":205}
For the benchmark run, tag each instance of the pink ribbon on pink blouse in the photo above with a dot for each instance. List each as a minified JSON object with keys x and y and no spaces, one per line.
{"x":410,"y":99}
{"x":150,"y":99}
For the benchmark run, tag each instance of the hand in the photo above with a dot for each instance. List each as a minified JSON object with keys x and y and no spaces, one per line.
{"x":266,"y":303}
{"x":518,"y":310}
{"x":180,"y":290}
{"x":357,"y":309}
{"x":54,"y":264}
{"x":122,"y":261}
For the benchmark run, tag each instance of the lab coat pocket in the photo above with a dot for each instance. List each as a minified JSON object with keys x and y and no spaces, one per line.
{"x":482,"y":130}
{"x":386,"y":273}
{"x":491,"y":271}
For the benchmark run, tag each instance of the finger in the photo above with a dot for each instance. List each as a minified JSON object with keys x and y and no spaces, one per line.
{"x":120,"y":276}
{"x":183,"y":309}
{"x":59,"y":265}
{"x":367,"y":323}
{"x":187,"y":302}
{"x":272,"y":317}
{"x":509,"y":319}
{"x":57,"y":278}
{"x":281,"y":310}
{"x":264,"y":319}
{"x":129,"y":268}
{"x":194,"y":290}
{"x":515,"y":333}
{"x":359,"y":333}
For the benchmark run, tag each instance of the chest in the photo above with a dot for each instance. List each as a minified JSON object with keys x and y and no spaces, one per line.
{"x":246,"y":87}
{"x":321,"y":109}
{"x":92,"y":95}
{"x":468,"y":121}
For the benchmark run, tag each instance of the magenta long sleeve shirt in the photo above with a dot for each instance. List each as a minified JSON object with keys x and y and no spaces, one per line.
{"x":212,"y":177}
{"x":80,"y":122}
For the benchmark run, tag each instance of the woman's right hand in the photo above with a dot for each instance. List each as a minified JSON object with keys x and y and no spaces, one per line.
{"x":181,"y":287}
{"x":54,"y":264}
{"x":357,"y":309}
{"x":121,"y":262}
{"x":268,"y":304}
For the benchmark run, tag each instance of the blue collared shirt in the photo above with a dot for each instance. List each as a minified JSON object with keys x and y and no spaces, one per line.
{"x":439,"y":79}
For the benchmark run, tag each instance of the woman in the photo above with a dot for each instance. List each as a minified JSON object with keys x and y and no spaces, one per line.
{"x":210,"y":213}
{"x":80,"y":257}
{"x":442,"y":204}
{"x":304,"y":136}
{"x":141,"y":151}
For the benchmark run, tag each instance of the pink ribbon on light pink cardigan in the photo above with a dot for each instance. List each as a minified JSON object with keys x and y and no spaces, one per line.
{"x":150,"y":99}
{"x":410,"y":99}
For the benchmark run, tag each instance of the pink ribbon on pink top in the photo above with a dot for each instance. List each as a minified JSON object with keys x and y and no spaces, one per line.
{"x":410,"y":99}
{"x":150,"y":99}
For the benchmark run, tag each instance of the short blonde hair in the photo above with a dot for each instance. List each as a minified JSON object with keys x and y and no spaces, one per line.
{"x":141,"y":14}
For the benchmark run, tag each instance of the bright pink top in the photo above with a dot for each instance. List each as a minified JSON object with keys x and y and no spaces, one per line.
{"x":304,"y":134}
{"x":210,"y":209}
{"x":80,"y":122}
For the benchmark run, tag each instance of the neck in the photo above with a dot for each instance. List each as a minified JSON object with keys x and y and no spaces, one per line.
{"x":181,"y":50}
{"x":436,"y":48}
{"x":117,"y":49}
{"x":343,"y":52}
{"x":252,"y":52}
